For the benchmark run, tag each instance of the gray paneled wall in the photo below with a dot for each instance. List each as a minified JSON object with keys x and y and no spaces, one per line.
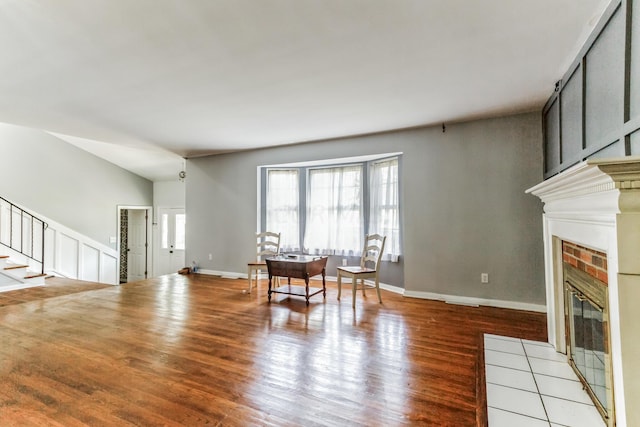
{"x":634,"y":50}
{"x":596,"y":109}
{"x":464,"y":208}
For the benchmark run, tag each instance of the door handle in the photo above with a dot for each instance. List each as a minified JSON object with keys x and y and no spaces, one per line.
{"x":170,"y":252}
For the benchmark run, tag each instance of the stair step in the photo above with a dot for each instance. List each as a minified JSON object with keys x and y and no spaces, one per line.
{"x":18,"y":276}
{"x":13,"y":267}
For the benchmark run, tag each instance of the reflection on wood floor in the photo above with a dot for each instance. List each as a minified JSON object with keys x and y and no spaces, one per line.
{"x":196,"y":350}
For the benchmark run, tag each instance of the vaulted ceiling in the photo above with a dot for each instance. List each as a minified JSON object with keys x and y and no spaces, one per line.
{"x":142,"y":82}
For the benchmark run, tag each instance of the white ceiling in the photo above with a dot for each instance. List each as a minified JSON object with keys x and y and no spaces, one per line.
{"x":142,"y":82}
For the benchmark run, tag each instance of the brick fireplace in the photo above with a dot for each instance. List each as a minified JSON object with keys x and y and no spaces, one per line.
{"x":592,"y":222}
{"x":592,"y":262}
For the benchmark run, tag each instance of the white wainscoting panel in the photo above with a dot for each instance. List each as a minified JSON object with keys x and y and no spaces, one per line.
{"x":73,"y":255}
{"x":90,"y":264}
{"x":68,"y":251}
{"x":50,"y":252}
{"x":109,"y":271}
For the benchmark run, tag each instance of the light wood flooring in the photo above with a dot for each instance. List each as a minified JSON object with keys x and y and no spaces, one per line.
{"x":195,"y":350}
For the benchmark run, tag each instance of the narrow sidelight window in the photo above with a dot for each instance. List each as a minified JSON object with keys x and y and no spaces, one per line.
{"x":384,"y":206}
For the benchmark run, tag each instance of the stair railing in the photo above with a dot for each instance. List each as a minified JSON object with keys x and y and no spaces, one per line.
{"x":22,"y":231}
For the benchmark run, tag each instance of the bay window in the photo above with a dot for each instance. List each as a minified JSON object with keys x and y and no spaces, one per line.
{"x":327,"y":209}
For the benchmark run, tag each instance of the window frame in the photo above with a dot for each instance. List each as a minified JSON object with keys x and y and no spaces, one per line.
{"x":301,"y":201}
{"x":363,"y":206}
{"x":389,"y":255}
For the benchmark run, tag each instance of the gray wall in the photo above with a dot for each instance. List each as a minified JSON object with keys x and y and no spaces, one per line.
{"x":66,"y":184}
{"x":464,"y":207}
{"x":167,"y":194}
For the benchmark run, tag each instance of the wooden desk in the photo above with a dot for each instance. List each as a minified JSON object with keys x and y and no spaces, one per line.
{"x":299,"y":267}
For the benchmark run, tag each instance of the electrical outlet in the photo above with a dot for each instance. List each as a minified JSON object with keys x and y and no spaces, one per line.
{"x":344,"y":262}
{"x":484,"y":277}
{"x":210,"y":257}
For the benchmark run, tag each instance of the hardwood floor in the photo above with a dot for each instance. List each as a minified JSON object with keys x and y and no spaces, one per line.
{"x":195,"y":350}
{"x":55,"y":287}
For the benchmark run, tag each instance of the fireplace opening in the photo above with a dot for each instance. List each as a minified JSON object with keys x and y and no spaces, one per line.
{"x":588,"y":349}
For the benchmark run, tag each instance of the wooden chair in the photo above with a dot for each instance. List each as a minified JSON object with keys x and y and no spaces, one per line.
{"x":268,"y":244}
{"x":368,"y":268}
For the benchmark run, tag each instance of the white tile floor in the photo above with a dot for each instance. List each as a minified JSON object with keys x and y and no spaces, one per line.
{"x":529,"y":384}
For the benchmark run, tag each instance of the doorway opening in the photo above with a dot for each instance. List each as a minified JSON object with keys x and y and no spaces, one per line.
{"x":134,"y":228}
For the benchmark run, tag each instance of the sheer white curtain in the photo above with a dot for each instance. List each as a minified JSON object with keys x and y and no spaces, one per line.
{"x":283,"y":207}
{"x":334,"y":211}
{"x":384,"y":217}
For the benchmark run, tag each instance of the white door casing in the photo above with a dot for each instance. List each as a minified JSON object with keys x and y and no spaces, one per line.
{"x":145,"y":215}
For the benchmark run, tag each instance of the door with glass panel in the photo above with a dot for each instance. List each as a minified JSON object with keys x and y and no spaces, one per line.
{"x":171,"y":227}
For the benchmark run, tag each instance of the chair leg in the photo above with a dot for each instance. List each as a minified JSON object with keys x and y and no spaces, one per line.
{"x":249,"y":277}
{"x":354,"y":283}
{"x":378,"y":289}
{"x":362,"y":285}
{"x":339,"y":285}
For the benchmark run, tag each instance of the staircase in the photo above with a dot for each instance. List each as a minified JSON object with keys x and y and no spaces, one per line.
{"x":22,"y":236}
{"x":17,"y":276}
{"x":48,"y":249}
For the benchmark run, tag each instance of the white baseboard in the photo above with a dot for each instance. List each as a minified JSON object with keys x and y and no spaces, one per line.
{"x":473,"y":301}
{"x":15,"y":287}
{"x":223,"y":274}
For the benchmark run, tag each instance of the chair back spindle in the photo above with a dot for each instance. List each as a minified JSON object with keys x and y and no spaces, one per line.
{"x":267,"y":244}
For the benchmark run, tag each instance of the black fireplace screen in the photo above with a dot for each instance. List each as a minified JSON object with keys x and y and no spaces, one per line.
{"x":587,"y":320}
{"x":588,"y":344}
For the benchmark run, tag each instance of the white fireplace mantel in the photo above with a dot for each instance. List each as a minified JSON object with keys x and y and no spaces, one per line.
{"x":597,"y":204}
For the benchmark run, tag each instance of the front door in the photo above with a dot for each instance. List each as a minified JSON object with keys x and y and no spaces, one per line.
{"x":171,"y":223}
